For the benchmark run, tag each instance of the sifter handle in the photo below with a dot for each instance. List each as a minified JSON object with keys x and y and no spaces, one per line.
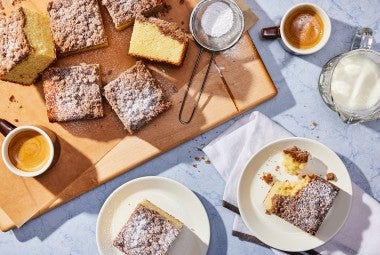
{"x":180,"y":117}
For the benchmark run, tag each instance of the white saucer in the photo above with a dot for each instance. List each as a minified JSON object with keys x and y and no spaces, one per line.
{"x":169,"y":195}
{"x":252,"y":191}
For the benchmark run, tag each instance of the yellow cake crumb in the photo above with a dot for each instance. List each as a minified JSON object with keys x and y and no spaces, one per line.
{"x":158,"y":40}
{"x":284,"y":188}
{"x":295,"y":160}
{"x":37,"y":31}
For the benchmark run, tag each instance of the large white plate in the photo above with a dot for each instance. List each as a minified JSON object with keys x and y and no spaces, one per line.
{"x":252,"y":191}
{"x":167,"y":194}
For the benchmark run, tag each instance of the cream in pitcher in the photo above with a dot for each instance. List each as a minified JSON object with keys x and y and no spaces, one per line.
{"x":350,"y":83}
{"x":355,"y":84}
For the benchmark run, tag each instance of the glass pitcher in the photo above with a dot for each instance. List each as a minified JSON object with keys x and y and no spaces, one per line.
{"x":350,"y":83}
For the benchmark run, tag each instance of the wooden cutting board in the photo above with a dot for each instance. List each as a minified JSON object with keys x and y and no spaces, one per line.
{"x":243,"y":72}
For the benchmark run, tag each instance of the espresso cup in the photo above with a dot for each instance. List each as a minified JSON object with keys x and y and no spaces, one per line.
{"x":304,"y":29}
{"x":27,"y":151}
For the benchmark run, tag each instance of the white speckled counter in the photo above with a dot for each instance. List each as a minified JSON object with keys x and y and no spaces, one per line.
{"x":70,"y":229}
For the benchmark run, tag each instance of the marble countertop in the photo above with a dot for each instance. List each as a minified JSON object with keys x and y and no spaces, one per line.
{"x":70,"y":228}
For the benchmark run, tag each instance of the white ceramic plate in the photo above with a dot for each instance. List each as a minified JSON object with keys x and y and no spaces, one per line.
{"x":167,"y":194}
{"x":252,"y":191}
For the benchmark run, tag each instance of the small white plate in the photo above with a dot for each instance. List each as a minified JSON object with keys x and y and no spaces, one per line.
{"x":169,"y":195}
{"x":252,"y":190}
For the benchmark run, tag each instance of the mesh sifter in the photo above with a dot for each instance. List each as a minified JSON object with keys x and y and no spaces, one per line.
{"x":210,"y":44}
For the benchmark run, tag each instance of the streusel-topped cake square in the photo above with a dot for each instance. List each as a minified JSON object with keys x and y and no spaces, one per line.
{"x":123,"y":12}
{"x":73,"y":93}
{"x":76,"y":25}
{"x":136,"y":97}
{"x":149,"y":230}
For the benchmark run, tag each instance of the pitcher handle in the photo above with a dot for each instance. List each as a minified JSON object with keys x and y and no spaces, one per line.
{"x":363,"y":39}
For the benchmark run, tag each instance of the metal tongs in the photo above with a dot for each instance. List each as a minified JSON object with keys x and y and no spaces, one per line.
{"x":210,"y":44}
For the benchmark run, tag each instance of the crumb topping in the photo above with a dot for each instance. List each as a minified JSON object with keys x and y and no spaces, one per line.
{"x":297,"y":154}
{"x":16,"y":2}
{"x":123,"y":11}
{"x":308,"y":208}
{"x":73,"y":93}
{"x":146,"y":232}
{"x":76,"y":24}
{"x":14,"y":45}
{"x":135,"y":97}
{"x":167,"y":28}
{"x":330,"y":176}
{"x":268,"y":178}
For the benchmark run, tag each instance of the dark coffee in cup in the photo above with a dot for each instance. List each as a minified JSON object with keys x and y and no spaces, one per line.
{"x":303,"y":27}
{"x":29,"y":151}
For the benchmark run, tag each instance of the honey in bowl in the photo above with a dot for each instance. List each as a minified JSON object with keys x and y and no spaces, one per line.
{"x":29,"y":151}
{"x":304,"y":28}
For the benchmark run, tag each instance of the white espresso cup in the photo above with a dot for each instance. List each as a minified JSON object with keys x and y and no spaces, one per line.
{"x":28,"y":151}
{"x":304,"y":29}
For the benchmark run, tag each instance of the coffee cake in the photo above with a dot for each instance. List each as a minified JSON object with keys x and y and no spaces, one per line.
{"x":123,"y":12}
{"x":136,"y":97}
{"x":73,"y":93}
{"x":26,"y":45}
{"x":305,"y":204}
{"x":76,"y":25}
{"x":295,"y":159}
{"x":158,"y":40}
{"x":149,"y":230}
{"x":14,"y":45}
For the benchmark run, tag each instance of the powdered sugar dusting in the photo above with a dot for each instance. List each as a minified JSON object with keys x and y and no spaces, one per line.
{"x":14,"y":46}
{"x":76,"y":25}
{"x":146,"y":232}
{"x":73,"y":93}
{"x":135,"y":97}
{"x":308,"y":209}
{"x":124,"y":11}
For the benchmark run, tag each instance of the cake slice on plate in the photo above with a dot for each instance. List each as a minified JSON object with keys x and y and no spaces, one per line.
{"x":76,"y":25}
{"x":136,"y":97}
{"x":73,"y":93}
{"x":158,"y":40}
{"x":123,"y":12}
{"x":149,"y":230}
{"x":305,"y":203}
{"x":26,"y":45}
